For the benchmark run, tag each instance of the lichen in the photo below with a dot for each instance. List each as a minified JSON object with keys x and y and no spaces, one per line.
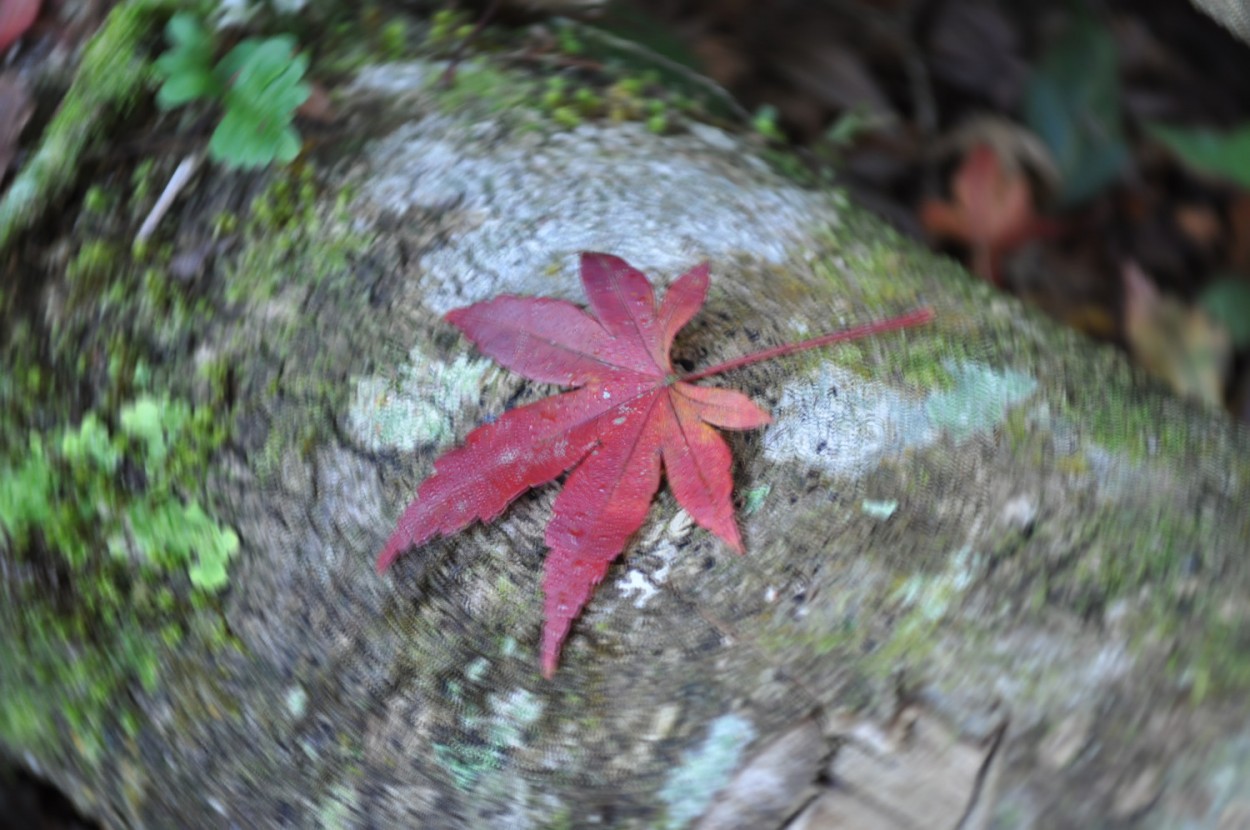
{"x":980,"y":399}
{"x":418,"y":407}
{"x":848,"y":426}
{"x":705,"y":770}
{"x":923,"y":601}
{"x":524,"y":237}
{"x":499,"y":730}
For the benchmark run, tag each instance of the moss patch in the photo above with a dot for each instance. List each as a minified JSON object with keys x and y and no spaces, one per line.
{"x":113,"y":553}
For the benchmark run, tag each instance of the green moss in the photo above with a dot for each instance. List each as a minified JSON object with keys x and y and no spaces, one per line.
{"x":95,"y":261}
{"x":97,"y":200}
{"x":1220,"y":665}
{"x":133,"y":557}
{"x":567,"y":100}
{"x":289,"y":239}
{"x":567,"y":117}
{"x":294,"y":245}
{"x":448,"y":27}
{"x":1116,"y":419}
{"x":393,"y":39}
{"x":923,"y":601}
{"x":480,"y":85}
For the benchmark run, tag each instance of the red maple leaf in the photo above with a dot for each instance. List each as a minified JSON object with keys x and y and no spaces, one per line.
{"x":629,"y":414}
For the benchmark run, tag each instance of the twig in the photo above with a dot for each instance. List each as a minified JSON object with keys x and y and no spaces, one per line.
{"x":182,"y":174}
{"x":914,"y":318}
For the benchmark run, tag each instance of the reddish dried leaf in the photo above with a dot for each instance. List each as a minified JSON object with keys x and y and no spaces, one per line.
{"x":991,"y":210}
{"x":630,"y":416}
{"x":16,"y":16}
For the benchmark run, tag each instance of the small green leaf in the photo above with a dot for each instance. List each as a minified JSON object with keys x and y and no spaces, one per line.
{"x":187,"y":65}
{"x":229,"y":66}
{"x":1222,"y":154}
{"x":265,"y":89}
{"x":183,"y":87}
{"x":765,"y":123}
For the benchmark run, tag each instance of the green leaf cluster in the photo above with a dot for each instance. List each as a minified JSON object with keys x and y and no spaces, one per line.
{"x":259,"y":85}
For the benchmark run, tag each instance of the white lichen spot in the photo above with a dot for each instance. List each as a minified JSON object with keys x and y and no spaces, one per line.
{"x":476,"y":670}
{"x":646,"y":584}
{"x":296,"y":701}
{"x":880,"y":510}
{"x":416,"y":405}
{"x":679,"y":526}
{"x":395,"y":78}
{"x":664,"y":721}
{"x":511,"y":714}
{"x":930,"y":597}
{"x":705,"y":770}
{"x":338,"y":808}
{"x":636,"y":582}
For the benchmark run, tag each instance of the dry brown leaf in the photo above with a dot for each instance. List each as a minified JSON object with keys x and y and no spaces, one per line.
{"x":1178,"y":343}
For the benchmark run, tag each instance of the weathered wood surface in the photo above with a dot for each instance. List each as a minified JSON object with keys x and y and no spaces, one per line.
{"x":992,"y":574}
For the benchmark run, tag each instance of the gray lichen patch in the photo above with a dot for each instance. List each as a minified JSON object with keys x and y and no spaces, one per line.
{"x":417,"y":407}
{"x":848,"y":426}
{"x":502,"y":729}
{"x":394,"y":79}
{"x":705,"y":769}
{"x":529,"y":202}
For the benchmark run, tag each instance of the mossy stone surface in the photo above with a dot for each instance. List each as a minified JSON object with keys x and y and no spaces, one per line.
{"x":1063,"y":537}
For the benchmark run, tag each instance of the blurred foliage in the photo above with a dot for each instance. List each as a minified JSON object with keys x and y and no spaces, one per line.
{"x":1073,"y":103}
{"x":1225,"y":155}
{"x":1227,"y":300}
{"x":111,"y":553}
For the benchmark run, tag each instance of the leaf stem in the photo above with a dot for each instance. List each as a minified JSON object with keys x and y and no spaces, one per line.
{"x":914,"y":318}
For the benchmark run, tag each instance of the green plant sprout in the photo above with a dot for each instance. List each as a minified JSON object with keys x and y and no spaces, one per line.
{"x":259,"y":84}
